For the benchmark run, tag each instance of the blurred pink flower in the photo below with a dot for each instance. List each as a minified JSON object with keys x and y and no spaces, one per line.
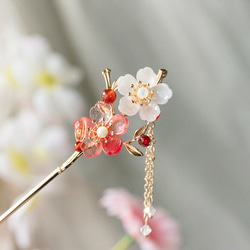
{"x":165,"y":233}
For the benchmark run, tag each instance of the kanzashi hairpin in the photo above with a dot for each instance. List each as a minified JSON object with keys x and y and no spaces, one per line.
{"x":102,"y":130}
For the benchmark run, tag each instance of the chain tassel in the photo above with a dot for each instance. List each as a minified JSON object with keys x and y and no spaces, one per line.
{"x":149,"y":210}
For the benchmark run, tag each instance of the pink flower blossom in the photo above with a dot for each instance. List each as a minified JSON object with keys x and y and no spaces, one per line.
{"x":165,"y":233}
{"x":101,"y":132}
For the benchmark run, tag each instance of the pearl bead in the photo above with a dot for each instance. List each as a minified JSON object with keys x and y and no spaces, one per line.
{"x":142,"y":93}
{"x":102,"y":132}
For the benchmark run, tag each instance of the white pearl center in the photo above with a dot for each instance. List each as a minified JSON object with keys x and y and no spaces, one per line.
{"x":142,"y":92}
{"x":102,"y":132}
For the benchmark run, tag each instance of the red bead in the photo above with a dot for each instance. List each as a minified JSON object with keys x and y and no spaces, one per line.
{"x":157,"y":117}
{"x":77,"y":146}
{"x":144,"y":140}
{"x":108,"y":96}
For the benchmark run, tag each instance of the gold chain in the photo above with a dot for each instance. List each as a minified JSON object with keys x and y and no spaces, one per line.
{"x":149,"y":170}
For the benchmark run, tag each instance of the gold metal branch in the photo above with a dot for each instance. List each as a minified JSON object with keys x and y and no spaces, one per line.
{"x":40,"y":186}
{"x":162,"y":73}
{"x":106,"y":75}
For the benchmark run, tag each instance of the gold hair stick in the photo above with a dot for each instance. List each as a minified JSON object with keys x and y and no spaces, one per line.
{"x":40,"y":186}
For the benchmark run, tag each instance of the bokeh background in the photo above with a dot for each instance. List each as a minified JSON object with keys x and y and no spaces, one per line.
{"x":203,"y":139}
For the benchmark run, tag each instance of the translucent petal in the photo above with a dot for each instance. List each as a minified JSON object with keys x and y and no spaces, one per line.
{"x":100,"y":112}
{"x":127,"y":107}
{"x":56,"y":64}
{"x":81,"y":128}
{"x":162,"y":93}
{"x":150,"y":112}
{"x":90,"y":148}
{"x":35,"y":48}
{"x":146,"y":76}
{"x":124,"y":84}
{"x":51,"y":137}
{"x":113,"y":146}
{"x":119,"y":124}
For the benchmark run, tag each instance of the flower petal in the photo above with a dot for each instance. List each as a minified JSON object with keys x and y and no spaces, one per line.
{"x":100,"y":112}
{"x":119,"y":124}
{"x":162,"y":93}
{"x":90,"y":148}
{"x":72,"y":100}
{"x":113,"y":146}
{"x":124,"y":84}
{"x":150,"y":112}
{"x":127,"y":107}
{"x":81,"y":128}
{"x":146,"y":76}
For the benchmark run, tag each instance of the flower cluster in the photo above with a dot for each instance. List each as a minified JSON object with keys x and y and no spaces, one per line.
{"x":101,"y":131}
{"x":32,"y":74}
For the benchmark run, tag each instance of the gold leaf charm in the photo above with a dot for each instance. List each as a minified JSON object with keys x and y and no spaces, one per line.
{"x":133,"y":150}
{"x":140,"y":131}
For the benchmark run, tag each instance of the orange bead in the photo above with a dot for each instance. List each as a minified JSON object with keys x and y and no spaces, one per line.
{"x":108,"y":96}
{"x":77,"y":146}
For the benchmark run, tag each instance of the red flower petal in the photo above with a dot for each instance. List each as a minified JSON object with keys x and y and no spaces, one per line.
{"x":81,"y":128}
{"x":119,"y":124}
{"x":90,"y":148}
{"x":113,"y":146}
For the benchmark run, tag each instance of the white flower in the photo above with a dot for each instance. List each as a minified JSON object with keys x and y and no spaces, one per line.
{"x":25,"y":223}
{"x":7,"y":97}
{"x":30,"y":63}
{"x":31,"y":73}
{"x":142,"y":94}
{"x":53,"y":106}
{"x":28,"y":149}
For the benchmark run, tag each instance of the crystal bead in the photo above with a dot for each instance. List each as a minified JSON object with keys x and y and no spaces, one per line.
{"x":150,"y":211}
{"x":146,"y":230}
